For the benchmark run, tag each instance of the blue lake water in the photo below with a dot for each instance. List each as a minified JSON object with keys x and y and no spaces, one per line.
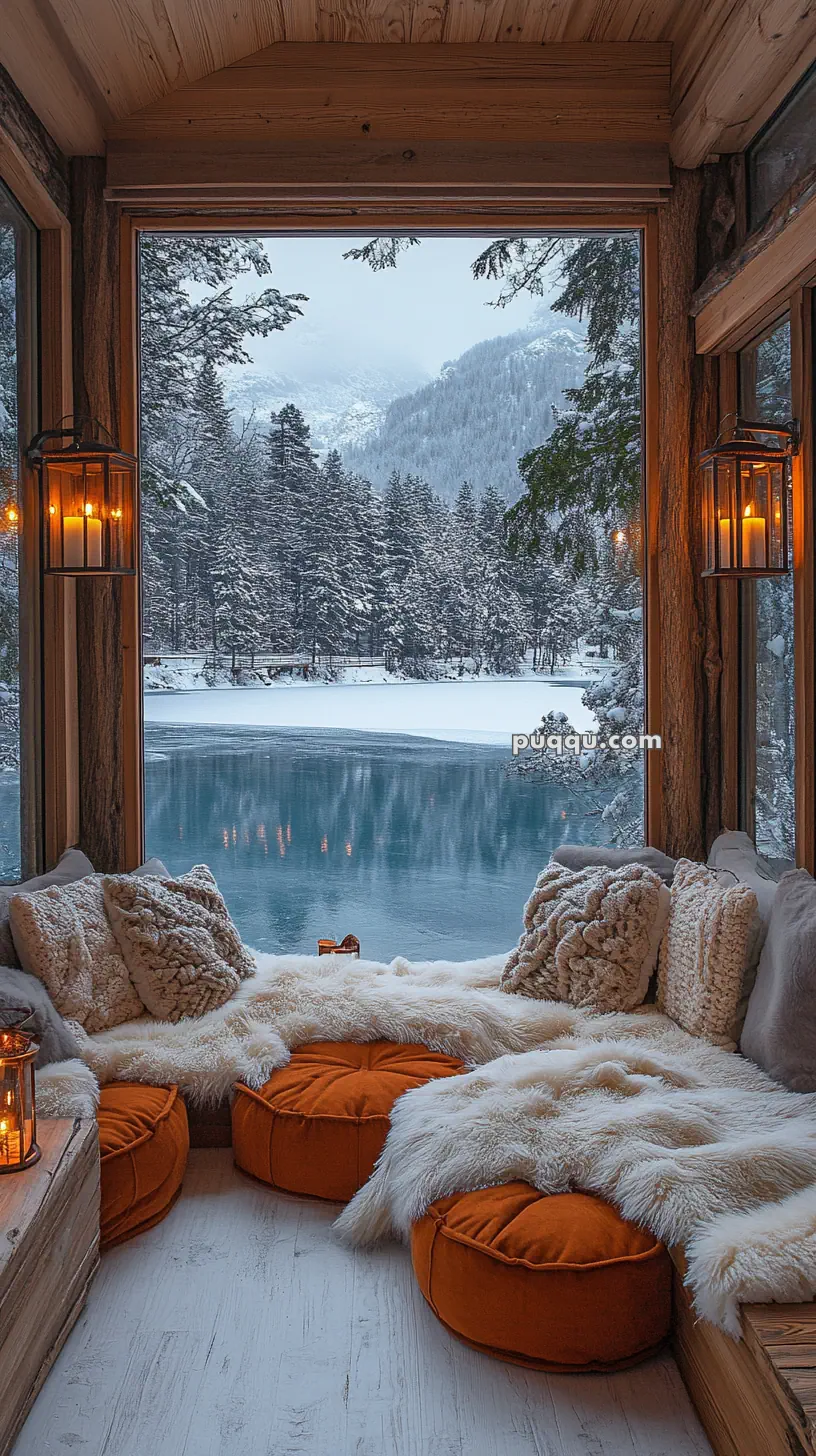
{"x":419,"y":847}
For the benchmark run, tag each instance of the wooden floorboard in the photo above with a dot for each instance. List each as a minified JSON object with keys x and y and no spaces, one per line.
{"x":241,"y":1327}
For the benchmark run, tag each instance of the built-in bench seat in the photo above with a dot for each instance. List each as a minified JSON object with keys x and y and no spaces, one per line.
{"x":755,"y":1396}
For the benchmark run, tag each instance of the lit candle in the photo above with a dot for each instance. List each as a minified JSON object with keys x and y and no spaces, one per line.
{"x":725,"y":541}
{"x":73,"y":550}
{"x":753,"y":539}
{"x":9,"y":1143}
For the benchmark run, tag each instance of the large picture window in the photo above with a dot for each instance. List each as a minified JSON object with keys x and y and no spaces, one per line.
{"x":391,"y":519}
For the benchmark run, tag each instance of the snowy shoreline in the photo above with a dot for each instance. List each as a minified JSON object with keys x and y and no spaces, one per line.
{"x":475,"y":710}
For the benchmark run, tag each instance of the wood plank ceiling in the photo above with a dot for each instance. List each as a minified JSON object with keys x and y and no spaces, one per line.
{"x":84,"y":65}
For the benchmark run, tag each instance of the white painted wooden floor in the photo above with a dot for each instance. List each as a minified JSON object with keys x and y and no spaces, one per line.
{"x":240,"y":1327}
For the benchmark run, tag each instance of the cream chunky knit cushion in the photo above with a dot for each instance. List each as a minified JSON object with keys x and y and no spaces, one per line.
{"x":64,"y":937}
{"x":704,"y":954}
{"x":590,"y":937}
{"x":183,"y":952}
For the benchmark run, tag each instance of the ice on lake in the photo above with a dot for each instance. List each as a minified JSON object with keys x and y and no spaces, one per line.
{"x":486,"y":711}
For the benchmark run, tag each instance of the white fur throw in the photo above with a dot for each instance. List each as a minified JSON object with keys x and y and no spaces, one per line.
{"x":694,"y":1142}
{"x":590,"y":936}
{"x":705,"y":952}
{"x":63,"y":937}
{"x":183,"y":952}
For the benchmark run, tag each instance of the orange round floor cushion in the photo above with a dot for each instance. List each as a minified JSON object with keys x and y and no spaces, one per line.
{"x":554,"y":1281}
{"x":143,"y":1144}
{"x":319,"y":1124}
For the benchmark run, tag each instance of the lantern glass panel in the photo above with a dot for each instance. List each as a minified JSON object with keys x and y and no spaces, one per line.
{"x":17,"y":1113}
{"x":89,"y":512}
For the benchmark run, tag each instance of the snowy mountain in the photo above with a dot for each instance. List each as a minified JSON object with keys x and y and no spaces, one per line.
{"x":341,"y":408}
{"x":485,"y":410}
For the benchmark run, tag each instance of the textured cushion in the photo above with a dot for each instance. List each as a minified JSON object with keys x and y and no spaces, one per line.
{"x":558,"y":1282}
{"x":734,"y":854}
{"x":143,"y":1143}
{"x":319,"y":1124}
{"x":704,"y":953}
{"x":184,"y":955}
{"x":72,"y":865}
{"x":24,"y":997}
{"x":63,"y":936}
{"x":591,"y":937}
{"x":584,"y":856}
{"x":780,"y":1028}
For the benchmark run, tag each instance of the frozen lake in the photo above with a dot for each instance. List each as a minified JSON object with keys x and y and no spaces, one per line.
{"x":487,"y":711}
{"x":419,"y":847}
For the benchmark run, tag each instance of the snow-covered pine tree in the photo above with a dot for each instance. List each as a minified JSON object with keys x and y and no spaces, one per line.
{"x":291,"y":504}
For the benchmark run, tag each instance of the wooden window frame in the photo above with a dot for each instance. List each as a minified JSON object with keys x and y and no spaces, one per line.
{"x":797,"y":304}
{"x":48,"y":692}
{"x":442,"y":222}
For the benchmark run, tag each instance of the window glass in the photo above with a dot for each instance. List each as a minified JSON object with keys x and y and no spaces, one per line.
{"x":784,"y":150}
{"x":368,"y":706}
{"x":768,"y":638}
{"x":16,"y":241}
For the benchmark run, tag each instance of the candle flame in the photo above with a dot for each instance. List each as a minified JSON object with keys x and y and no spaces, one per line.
{"x":52,"y":510}
{"x":88,"y":508}
{"x":12,"y":513}
{"x":747,"y":511}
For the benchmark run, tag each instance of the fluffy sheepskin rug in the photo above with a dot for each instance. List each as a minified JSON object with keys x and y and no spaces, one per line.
{"x":692,"y":1141}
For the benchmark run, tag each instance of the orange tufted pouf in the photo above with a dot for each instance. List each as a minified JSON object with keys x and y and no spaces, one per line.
{"x":319,"y":1124}
{"x":143,"y":1145}
{"x":556,"y":1282}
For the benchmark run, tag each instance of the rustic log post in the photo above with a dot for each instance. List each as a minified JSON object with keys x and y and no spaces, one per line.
{"x":95,"y":290}
{"x":691,"y":664}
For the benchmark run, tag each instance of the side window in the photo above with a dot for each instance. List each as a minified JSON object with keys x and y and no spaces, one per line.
{"x":767,"y":629}
{"x":17,"y":415}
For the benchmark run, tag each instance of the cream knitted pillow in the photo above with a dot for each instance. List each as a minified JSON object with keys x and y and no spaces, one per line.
{"x":591,"y":937}
{"x":62,"y":935}
{"x":705,"y":952}
{"x":184,"y":954}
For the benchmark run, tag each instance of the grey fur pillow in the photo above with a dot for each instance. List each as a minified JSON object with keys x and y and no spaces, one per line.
{"x":591,"y":937}
{"x":183,"y":952}
{"x":21,"y":993}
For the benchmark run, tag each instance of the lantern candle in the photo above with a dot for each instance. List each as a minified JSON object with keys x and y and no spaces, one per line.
{"x":753,"y":539}
{"x":74,"y":540}
{"x":725,"y":541}
{"x":9,"y":1144}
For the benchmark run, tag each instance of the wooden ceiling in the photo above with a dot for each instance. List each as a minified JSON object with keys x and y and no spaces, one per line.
{"x":84,"y":65}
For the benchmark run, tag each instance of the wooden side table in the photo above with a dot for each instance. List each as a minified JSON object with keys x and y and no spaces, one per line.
{"x":49,"y":1250}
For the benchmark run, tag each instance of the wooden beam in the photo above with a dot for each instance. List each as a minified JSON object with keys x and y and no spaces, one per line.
{"x":98,"y":602}
{"x":686,"y":414}
{"x":768,"y":266}
{"x":60,"y":707}
{"x":31,"y":164}
{"x":731,"y":59}
{"x":45,"y":67}
{"x":421,"y":117}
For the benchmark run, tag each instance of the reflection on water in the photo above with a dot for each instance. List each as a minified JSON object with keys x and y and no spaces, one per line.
{"x":419,"y":848}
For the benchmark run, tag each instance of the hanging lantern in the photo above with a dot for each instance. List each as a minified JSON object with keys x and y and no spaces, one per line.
{"x":746,"y":484}
{"x":18,"y":1121}
{"x":88,"y":494}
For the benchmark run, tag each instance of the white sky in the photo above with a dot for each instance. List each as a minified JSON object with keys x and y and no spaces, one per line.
{"x":423,"y":312}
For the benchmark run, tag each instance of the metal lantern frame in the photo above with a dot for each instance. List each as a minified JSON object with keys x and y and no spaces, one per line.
{"x":18,"y":1112}
{"x":88,"y":502}
{"x":746,"y":487}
